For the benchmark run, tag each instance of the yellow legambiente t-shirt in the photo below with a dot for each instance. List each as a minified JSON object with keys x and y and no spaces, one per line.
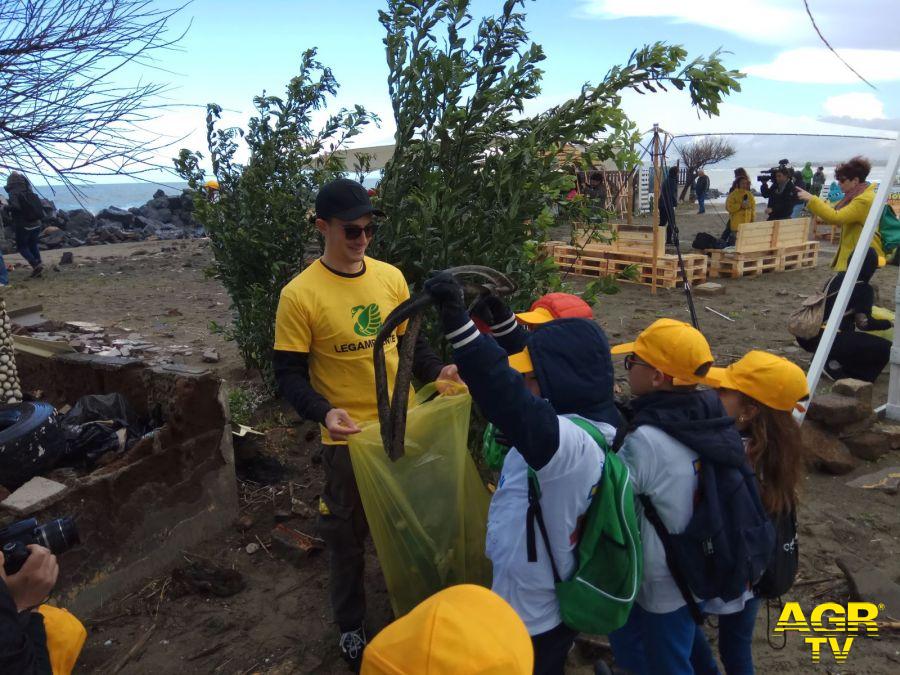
{"x":335,"y":319}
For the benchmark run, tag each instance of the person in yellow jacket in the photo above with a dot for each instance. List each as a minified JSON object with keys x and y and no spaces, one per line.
{"x":741,"y":206}
{"x":462,"y":630}
{"x":850,"y":213}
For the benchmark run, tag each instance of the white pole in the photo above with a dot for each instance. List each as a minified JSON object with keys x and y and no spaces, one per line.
{"x":892,"y":409}
{"x":843,"y":296}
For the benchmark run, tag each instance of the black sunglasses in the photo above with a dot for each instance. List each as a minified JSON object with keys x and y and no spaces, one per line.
{"x":353,"y":232}
{"x":631,"y":361}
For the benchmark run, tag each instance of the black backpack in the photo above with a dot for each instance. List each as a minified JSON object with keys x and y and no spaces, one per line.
{"x":782,"y":570}
{"x":704,"y":240}
{"x":728,"y":543}
{"x":30,"y":207}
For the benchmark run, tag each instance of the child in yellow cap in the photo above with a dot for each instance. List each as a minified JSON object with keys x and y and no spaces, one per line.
{"x":462,"y":630}
{"x":761,"y":391}
{"x":676,"y":431}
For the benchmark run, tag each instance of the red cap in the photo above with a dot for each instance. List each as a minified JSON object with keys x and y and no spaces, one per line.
{"x":556,"y":306}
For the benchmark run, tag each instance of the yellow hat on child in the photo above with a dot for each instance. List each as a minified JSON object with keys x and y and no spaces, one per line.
{"x":674,"y":347}
{"x":772,"y":380}
{"x":461,"y":630}
{"x":521,"y":361}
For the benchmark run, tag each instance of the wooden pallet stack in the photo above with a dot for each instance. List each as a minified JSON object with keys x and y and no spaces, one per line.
{"x":768,"y":246}
{"x":631,"y":247}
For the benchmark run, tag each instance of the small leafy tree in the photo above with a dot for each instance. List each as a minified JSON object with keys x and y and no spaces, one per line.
{"x":701,"y":153}
{"x":475,"y":181}
{"x":260,"y":227}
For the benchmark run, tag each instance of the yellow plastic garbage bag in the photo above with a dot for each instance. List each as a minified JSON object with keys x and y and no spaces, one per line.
{"x":428,"y":510}
{"x":882,"y":313}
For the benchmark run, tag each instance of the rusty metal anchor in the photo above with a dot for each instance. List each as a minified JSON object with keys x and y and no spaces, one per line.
{"x":392,"y":410}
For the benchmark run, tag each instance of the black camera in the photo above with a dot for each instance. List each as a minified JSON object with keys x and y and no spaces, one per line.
{"x":767,"y":175}
{"x":58,"y":535}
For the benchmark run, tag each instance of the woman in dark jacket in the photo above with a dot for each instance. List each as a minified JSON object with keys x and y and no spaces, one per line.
{"x":24,"y":204}
{"x":668,"y":200}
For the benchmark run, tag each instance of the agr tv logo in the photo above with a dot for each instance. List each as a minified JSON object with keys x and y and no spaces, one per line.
{"x":830,"y":625}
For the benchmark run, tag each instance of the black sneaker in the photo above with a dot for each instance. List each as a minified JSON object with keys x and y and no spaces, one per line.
{"x":876,"y":324}
{"x":352,"y":645}
{"x":833,"y":371}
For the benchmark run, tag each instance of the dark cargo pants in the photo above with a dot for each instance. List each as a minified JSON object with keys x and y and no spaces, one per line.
{"x":343,"y":526}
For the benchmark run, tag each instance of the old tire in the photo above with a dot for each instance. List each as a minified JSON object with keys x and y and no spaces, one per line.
{"x":31,"y":442}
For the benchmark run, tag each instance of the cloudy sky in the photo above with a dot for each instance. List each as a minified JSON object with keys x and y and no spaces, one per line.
{"x":236,"y":49}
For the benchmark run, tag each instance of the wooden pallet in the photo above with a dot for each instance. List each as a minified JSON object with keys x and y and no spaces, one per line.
{"x":823,"y":231}
{"x":731,"y":265}
{"x":594,"y":261}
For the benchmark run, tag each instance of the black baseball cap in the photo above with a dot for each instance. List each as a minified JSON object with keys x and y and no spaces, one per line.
{"x":344,"y":199}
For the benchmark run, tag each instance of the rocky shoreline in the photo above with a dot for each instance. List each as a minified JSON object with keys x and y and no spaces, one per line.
{"x":162,"y":217}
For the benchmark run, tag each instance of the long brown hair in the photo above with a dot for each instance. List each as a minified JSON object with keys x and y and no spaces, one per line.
{"x":777,"y":455}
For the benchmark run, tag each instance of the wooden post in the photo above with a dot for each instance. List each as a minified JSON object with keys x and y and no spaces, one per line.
{"x":656,"y":175}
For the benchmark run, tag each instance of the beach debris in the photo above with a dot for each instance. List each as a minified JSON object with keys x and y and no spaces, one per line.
{"x":887,"y":480}
{"x":293,"y":545}
{"x":710,"y":309}
{"x":205,"y":577}
{"x":709,"y":288}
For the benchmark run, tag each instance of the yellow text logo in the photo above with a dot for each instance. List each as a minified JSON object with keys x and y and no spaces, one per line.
{"x":830,"y":625}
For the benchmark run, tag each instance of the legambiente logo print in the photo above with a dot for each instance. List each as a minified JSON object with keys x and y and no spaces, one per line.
{"x":367,"y":320}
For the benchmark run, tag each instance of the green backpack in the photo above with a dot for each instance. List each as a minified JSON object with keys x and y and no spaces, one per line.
{"x":889,"y":229}
{"x":598,"y":598}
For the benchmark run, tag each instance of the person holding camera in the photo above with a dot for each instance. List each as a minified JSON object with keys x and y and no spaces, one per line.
{"x":35,"y":638}
{"x":780,"y":193}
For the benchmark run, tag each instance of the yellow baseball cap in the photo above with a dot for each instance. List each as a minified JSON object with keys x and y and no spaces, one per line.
{"x":211,"y":184}
{"x":772,"y":380}
{"x":674,"y":347}
{"x":521,"y":361}
{"x":536,"y":315}
{"x":462,"y":630}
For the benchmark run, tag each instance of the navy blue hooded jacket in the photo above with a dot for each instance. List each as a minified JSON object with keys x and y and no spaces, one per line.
{"x":695,"y":418}
{"x":573,"y":367}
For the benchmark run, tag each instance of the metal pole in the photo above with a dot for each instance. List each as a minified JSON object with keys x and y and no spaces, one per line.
{"x":655,"y":205}
{"x":843,"y":296}
{"x":892,"y":410}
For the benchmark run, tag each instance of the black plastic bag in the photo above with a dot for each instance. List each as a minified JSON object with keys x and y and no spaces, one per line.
{"x":704,"y":241}
{"x":98,"y":424}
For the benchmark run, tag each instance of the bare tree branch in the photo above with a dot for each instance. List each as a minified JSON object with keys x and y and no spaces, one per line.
{"x":63,"y":111}
{"x":827,"y":44}
{"x":701,"y":153}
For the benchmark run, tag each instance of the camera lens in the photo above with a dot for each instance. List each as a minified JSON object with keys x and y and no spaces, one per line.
{"x":58,"y":535}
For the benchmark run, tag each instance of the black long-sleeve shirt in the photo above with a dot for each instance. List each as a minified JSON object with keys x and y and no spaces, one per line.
{"x":781,"y":201}
{"x":292,"y":377}
{"x":23,"y":640}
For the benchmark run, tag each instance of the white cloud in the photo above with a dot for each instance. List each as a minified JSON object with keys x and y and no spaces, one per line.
{"x":817,"y":65}
{"x":858,"y":105}
{"x":774,"y":21}
{"x":765,"y":136}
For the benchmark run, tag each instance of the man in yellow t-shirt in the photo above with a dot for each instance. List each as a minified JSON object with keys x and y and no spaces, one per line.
{"x":325,"y":328}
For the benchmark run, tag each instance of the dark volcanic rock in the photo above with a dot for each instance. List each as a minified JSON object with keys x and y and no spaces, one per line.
{"x":116,"y":215}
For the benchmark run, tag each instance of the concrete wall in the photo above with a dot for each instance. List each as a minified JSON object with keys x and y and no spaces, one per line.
{"x":171,"y":490}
